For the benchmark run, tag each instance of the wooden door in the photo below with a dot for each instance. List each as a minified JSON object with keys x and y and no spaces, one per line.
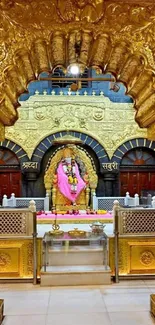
{"x":10,"y":182}
{"x":125,"y":184}
{"x":15,"y":183}
{"x":135,"y":182}
{"x":144,"y":181}
{"x":4,"y":185}
{"x":129,"y":183}
{"x":152,"y":181}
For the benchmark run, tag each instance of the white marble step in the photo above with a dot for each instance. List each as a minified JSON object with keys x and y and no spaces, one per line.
{"x":75,"y":275}
{"x":76,"y":255}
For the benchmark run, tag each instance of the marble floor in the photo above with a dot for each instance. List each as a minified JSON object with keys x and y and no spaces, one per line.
{"x":125,"y":303}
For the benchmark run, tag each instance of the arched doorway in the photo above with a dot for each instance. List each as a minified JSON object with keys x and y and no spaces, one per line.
{"x":10,"y":174}
{"x":46,"y":149}
{"x":137,"y":171}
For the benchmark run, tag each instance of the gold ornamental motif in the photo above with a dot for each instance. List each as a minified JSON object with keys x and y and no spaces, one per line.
{"x":130,"y":252}
{"x":6,"y":4}
{"x":5,"y":260}
{"x":67,"y":139}
{"x":41,"y":36}
{"x":2,"y":52}
{"x":17,"y":259}
{"x":147,"y":258}
{"x":98,"y":114}
{"x":82,"y":109}
{"x":81,"y":10}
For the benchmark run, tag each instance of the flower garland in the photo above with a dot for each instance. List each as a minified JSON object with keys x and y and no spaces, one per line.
{"x":70,"y":170}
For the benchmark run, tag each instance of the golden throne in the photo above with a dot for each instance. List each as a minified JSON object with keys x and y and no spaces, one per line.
{"x":59,"y":201}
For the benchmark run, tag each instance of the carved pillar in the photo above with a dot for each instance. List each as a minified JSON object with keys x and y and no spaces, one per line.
{"x":54,"y":197}
{"x":87,"y":196}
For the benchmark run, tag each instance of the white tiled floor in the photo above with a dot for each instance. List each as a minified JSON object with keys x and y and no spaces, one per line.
{"x":125,"y":303}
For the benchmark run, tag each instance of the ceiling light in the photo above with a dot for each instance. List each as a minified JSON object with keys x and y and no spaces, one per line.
{"x":74,"y":69}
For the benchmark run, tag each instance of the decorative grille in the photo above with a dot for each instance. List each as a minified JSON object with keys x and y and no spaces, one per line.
{"x":137,"y":222}
{"x":106,"y":203}
{"x":15,"y":223}
{"x":24,"y":203}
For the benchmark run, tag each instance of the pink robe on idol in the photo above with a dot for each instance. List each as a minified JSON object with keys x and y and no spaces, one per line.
{"x":65,"y":187}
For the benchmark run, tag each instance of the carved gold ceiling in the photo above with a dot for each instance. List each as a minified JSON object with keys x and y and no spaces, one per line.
{"x":111,"y":36}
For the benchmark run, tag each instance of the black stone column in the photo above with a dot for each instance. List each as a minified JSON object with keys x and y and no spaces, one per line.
{"x":30,"y":170}
{"x":110,"y":183}
{"x":30,"y":178}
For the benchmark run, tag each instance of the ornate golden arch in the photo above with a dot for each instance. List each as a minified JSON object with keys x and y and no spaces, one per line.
{"x":49,"y":178}
{"x":91,"y":33}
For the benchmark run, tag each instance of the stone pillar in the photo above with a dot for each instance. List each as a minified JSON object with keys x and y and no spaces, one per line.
{"x":30,"y":170}
{"x":110,"y":183}
{"x":30,"y":182}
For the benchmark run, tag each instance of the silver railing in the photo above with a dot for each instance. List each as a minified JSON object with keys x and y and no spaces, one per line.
{"x":42,"y":203}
